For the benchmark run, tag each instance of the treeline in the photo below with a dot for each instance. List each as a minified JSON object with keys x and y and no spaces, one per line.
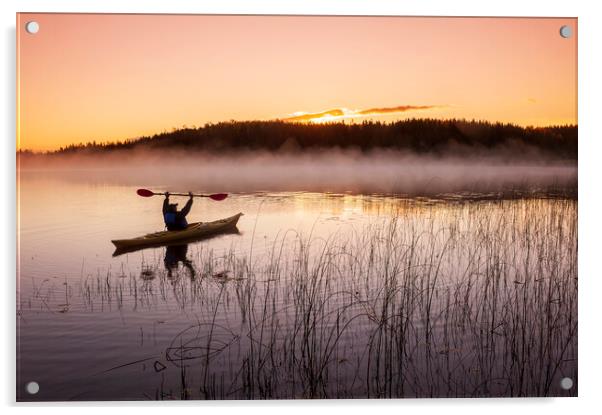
{"x":415,"y":135}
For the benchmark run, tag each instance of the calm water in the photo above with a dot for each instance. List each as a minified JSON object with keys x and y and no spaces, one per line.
{"x":318,"y":295}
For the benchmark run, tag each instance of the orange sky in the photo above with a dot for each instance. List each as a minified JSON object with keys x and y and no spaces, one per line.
{"x":110,"y":77}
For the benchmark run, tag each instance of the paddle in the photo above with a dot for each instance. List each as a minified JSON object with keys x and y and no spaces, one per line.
{"x":149,"y":193}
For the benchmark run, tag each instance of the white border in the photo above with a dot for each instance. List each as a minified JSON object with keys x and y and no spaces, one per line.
{"x":590,"y":158}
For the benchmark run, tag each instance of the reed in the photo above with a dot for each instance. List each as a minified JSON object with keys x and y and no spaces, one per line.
{"x":471,"y":299}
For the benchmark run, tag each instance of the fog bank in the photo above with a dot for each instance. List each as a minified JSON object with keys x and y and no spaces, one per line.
{"x":327,"y":171}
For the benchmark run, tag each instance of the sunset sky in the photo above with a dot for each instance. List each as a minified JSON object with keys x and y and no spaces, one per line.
{"x":113,"y":77}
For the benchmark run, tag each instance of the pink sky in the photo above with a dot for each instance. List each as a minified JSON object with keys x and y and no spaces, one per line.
{"x":86,"y":77}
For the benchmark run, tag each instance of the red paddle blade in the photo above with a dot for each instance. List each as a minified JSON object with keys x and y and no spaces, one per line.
{"x":219,"y":196}
{"x":144,"y":193}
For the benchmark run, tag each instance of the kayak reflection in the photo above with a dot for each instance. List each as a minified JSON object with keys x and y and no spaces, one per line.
{"x":175,"y":254}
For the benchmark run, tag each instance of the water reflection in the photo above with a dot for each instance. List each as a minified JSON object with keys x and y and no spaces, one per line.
{"x":175,"y":254}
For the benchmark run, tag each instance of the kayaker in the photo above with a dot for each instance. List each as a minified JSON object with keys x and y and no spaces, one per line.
{"x":175,"y":220}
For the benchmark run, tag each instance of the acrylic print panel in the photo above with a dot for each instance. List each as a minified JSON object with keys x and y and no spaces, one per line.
{"x":380,"y":207}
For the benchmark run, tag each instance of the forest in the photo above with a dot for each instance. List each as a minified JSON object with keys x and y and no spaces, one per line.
{"x":420,"y":136}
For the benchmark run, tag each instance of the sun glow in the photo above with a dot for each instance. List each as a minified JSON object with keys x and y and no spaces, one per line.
{"x":326,"y":118}
{"x":342,"y":114}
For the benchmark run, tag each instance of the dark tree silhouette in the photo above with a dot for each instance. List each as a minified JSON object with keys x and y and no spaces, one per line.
{"x":439,"y":137}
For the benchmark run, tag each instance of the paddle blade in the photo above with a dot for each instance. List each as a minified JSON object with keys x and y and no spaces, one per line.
{"x":219,"y":196}
{"x":144,"y":193}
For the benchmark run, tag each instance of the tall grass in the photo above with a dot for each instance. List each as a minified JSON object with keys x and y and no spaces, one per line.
{"x":458,"y":300}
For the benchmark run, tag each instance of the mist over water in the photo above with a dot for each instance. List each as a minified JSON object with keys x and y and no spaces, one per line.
{"x":338,"y":171}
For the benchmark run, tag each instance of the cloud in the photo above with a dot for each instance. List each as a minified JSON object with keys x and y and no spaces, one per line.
{"x":340,"y":113}
{"x":337,"y":112}
{"x":393,"y":110}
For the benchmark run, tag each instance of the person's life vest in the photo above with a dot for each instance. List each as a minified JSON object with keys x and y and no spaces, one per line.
{"x":173,"y":221}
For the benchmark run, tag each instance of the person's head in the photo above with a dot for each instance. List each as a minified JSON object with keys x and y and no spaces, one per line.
{"x":172,"y":207}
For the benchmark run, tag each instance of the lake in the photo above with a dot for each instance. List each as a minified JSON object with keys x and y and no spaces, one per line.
{"x":318,"y":295}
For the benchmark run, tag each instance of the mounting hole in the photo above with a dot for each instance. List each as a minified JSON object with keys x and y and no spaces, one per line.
{"x":566,"y":383}
{"x":566,"y":32}
{"x":32,"y":388}
{"x":32,"y":27}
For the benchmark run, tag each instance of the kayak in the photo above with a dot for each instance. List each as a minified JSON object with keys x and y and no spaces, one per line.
{"x":197,"y":230}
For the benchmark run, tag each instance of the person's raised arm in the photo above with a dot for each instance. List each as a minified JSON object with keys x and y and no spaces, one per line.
{"x":166,"y":203}
{"x":188,"y":205}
